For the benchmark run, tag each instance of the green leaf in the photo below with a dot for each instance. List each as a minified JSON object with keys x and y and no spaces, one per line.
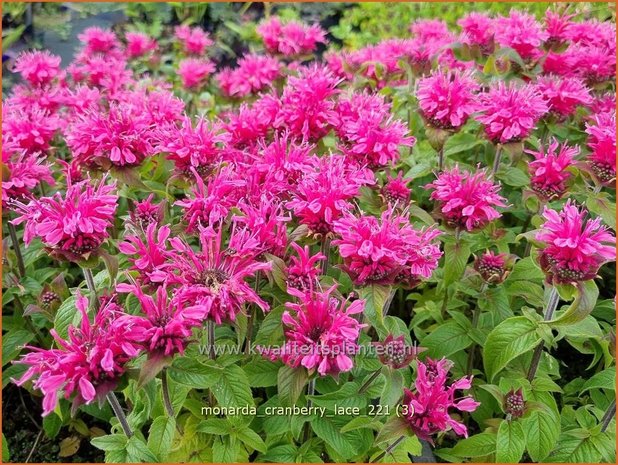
{"x":446,"y":340}
{"x":280,"y":454}
{"x":455,"y":261}
{"x":602,"y":205}
{"x":161,"y":436}
{"x":12,"y":343}
{"x":461,"y":142}
{"x":526,"y":270}
{"x":542,"y":427}
{"x":515,"y":177}
{"x":394,"y":427}
{"x":51,"y":425}
{"x":290,"y":384}
{"x":251,"y":439}
{"x":510,"y":442}
{"x":110,"y":442}
{"x":232,"y":389}
{"x":479,"y":445}
{"x":375,"y":297}
{"x":137,"y":451}
{"x":262,"y":373}
{"x":393,"y":387}
{"x":271,"y":329}
{"x":66,"y":315}
{"x":582,"y":306}
{"x":511,"y":338}
{"x":326,"y":430}
{"x":576,"y":446}
{"x":605,"y":379}
{"x":218,"y":426}
{"x":191,"y":373}
{"x":6,"y":456}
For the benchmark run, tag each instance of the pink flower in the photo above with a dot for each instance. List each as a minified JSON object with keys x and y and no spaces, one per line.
{"x":493,"y":268}
{"x":423,"y":253}
{"x":321,"y":333}
{"x":302,"y":271}
{"x":446,"y":100}
{"x":394,"y":353}
{"x":466,"y":200}
{"x":367,"y":130}
{"x":194,"y":40}
{"x":88,"y":364}
{"x":594,"y":64}
{"x":148,"y":253}
{"x":196,"y":146}
{"x":477,"y":29}
{"x":557,"y":27}
{"x":427,"y":30}
{"x":161,"y":106}
{"x":211,"y":203}
{"x":97,"y":40}
{"x":215,"y":276}
{"x":307,"y":103}
{"x":575,"y":246}
{"x":251,"y":123}
{"x":549,"y":170}
{"x":103,"y":71}
{"x":510,"y":113}
{"x":145,"y":212}
{"x":521,"y":32}
{"x":324,"y":193}
{"x":72,"y":226}
{"x":168,"y":325}
{"x":427,"y":406}
{"x":563,"y":95}
{"x":38,"y":67}
{"x":139,"y":44}
{"x":396,"y":191}
{"x":120,"y":137}
{"x":604,"y":103}
{"x":30,"y":129}
{"x":22,"y":173}
{"x":602,"y":141}
{"x":254,"y":73}
{"x":194,"y":72}
{"x":290,"y":39}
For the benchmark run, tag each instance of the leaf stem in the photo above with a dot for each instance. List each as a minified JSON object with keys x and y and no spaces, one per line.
{"x":94,"y":300}
{"x":310,"y":392}
{"x":552,"y":304}
{"x":368,"y":383}
{"x":113,"y":401}
{"x":20,"y":259}
{"x":497,"y":159}
{"x":476,"y":316}
{"x":210,"y":327}
{"x":165,"y":390}
{"x":609,"y":415}
{"x":441,"y":159}
{"x":389,"y":449}
{"x":389,"y":301}
{"x":325,"y":250}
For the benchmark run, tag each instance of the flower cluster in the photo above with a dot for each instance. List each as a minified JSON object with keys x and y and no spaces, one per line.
{"x":290,"y":39}
{"x":549,"y":169}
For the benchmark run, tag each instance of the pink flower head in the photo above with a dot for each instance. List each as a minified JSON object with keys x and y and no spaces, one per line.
{"x":103,"y":71}
{"x":215,"y":276}
{"x":49,"y":98}
{"x":563,"y":95}
{"x":250,"y":123}
{"x":194,"y":72}
{"x":120,"y":136}
{"x":478,"y":29}
{"x":146,"y":212}
{"x":602,"y":141}
{"x":604,"y":103}
{"x":575,"y":246}
{"x":429,"y":403}
{"x":321,"y":333}
{"x":594,"y":64}
{"x":394,"y":353}
{"x":447,"y":99}
{"x":72,"y":226}
{"x":367,"y":130}
{"x":324,"y":193}
{"x":492,"y":267}
{"x":521,"y":32}
{"x":139,"y":44}
{"x":194,"y":39}
{"x":254,"y":73}
{"x":466,"y":200}
{"x":22,"y":173}
{"x":88,"y":364}
{"x":211,"y":203}
{"x":161,"y":106}
{"x":31,"y":129}
{"x":38,"y":67}
{"x":302,"y":272}
{"x":510,"y":113}
{"x":196,"y":146}
{"x":423,"y":253}
{"x":97,"y":40}
{"x":549,"y":170}
{"x":167,"y":326}
{"x":292,"y":38}
{"x":427,"y":30}
{"x":396,"y":190}
{"x":148,"y":253}
{"x":307,"y":103}
{"x":557,"y":27}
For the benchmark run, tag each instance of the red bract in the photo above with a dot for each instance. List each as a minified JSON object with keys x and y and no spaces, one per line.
{"x":253,"y":74}
{"x":145,"y":213}
{"x":292,"y":38}
{"x":466,"y":200}
{"x":574,"y":246}
{"x":396,"y":191}
{"x":88,"y":363}
{"x":72,"y":226}
{"x":427,"y":406}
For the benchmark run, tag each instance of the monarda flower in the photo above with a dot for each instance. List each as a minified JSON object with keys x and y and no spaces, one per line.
{"x":87,"y":365}
{"x":72,"y":226}
{"x":168,"y":325}
{"x":38,"y":67}
{"x":493,"y":268}
{"x":477,"y":29}
{"x":148,"y":253}
{"x":194,"y":40}
{"x":423,"y":252}
{"x":253,"y":74}
{"x":367,"y":131}
{"x":602,"y":141}
{"x":194,"y":72}
{"x":427,"y":406}
{"x":97,"y":40}
{"x":22,"y":172}
{"x":466,"y":200}
{"x":118,"y":137}
{"x":144,"y":213}
{"x":290,"y":39}
{"x":510,"y":113}
{"x":549,"y":170}
{"x":563,"y":95}
{"x":139,"y":44}
{"x":32,"y":130}
{"x":395,"y":191}
{"x":215,"y":275}
{"x":574,"y":246}
{"x":394,"y":353}
{"x":302,"y":272}
{"x":321,"y":333}
{"x":521,"y":32}
{"x":595,"y":65}
{"x":324,"y":192}
{"x":446,"y":99}
{"x":190,"y":146}
{"x":557,"y":27}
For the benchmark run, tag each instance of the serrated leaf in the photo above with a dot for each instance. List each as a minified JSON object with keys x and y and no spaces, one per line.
{"x":542,"y":427}
{"x":455,"y":260}
{"x":290,"y":384}
{"x":582,"y":306}
{"x":161,"y":436}
{"x":446,"y":340}
{"x":191,"y":373}
{"x":110,"y":442}
{"x":12,"y":343}
{"x":510,"y":442}
{"x":605,"y":379}
{"x":138,"y":451}
{"x":232,"y":389}
{"x":66,"y":315}
{"x":251,"y":439}
{"x":375,"y":297}
{"x":262,"y":373}
{"x":51,"y":425}
{"x":479,"y":445}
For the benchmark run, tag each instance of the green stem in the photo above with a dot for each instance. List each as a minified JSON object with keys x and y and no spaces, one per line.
{"x":310,"y":392}
{"x":325,"y":250}
{"x":20,"y":259}
{"x":476,"y":316}
{"x":609,"y":415}
{"x":94,"y":299}
{"x":113,"y":401}
{"x":550,"y":308}
{"x":165,"y":390}
{"x":369,"y":382}
{"x":497,"y":159}
{"x":389,"y":449}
